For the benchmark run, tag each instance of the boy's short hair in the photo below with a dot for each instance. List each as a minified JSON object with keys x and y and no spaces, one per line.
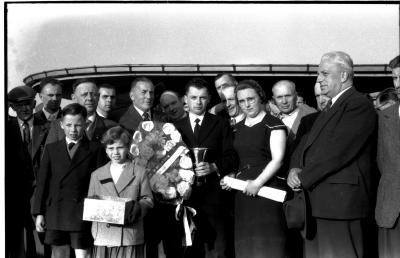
{"x":116,"y":133}
{"x":74,"y":109}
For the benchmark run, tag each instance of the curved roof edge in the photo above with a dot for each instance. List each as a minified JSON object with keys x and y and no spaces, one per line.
{"x":365,"y":70}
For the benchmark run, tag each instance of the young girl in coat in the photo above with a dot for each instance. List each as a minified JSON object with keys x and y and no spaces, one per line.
{"x":121,"y":177}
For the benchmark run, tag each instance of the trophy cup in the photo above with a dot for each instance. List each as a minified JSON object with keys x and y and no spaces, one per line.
{"x":199,"y":154}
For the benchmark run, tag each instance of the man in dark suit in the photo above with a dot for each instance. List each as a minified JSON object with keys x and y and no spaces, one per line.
{"x":142,"y":96}
{"x":85,"y":93}
{"x":19,"y":176}
{"x":394,"y":64}
{"x":202,"y":129}
{"x":63,"y":183}
{"x":388,"y":199}
{"x":50,"y":94}
{"x":334,"y":164}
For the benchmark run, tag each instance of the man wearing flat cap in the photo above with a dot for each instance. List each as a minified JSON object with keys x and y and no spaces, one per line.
{"x":395,"y":66}
{"x":19,"y":175}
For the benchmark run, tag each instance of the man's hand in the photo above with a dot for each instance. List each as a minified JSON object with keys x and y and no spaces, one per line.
{"x":293,"y":180}
{"x":252,"y":188}
{"x":40,"y":223}
{"x":204,"y":168}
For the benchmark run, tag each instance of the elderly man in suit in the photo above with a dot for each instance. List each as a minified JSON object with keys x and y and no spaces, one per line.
{"x":334,"y":164}
{"x":142,"y":96}
{"x":388,"y":199}
{"x":202,"y":129}
{"x":285,"y":98}
{"x":85,"y":93}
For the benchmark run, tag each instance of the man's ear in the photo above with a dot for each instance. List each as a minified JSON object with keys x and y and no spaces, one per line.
{"x":131,"y":96}
{"x":13,"y":107}
{"x":185,"y":98}
{"x":73,"y":97}
{"x":344,"y":76}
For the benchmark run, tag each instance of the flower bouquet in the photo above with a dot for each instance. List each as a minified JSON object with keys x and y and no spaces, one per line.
{"x":160,"y":149}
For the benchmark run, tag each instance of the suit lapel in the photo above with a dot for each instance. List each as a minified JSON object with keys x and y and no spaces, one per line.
{"x":63,"y":157}
{"x":207,"y":125}
{"x":127,"y":176}
{"x":324,"y":118}
{"x":39,"y":133}
{"x":106,"y":180}
{"x":188,"y":131}
{"x":81,"y":153}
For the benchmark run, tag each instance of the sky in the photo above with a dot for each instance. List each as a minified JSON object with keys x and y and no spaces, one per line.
{"x":52,"y":36}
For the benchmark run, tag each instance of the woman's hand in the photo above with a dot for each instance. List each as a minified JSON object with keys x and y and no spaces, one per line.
{"x":252,"y":188}
{"x":40,"y":223}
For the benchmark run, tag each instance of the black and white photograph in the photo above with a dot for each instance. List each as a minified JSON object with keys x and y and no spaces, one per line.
{"x":200,"y":129}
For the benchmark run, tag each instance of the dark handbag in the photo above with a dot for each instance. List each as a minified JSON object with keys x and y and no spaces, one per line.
{"x":295,"y":211}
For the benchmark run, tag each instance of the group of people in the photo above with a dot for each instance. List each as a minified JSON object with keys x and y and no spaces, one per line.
{"x":333,"y":155}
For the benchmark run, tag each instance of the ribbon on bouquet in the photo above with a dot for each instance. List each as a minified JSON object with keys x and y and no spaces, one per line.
{"x":188,"y":224}
{"x":181,"y":150}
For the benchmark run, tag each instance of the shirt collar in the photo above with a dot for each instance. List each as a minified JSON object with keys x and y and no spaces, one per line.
{"x":21,"y":122}
{"x":141,"y":112}
{"x":92,"y":117}
{"x":293,"y":113}
{"x":47,"y":114}
{"x":340,"y":94}
{"x":193,"y":117}
{"x":239,"y":117}
{"x":255,"y":120}
{"x":68,"y":140}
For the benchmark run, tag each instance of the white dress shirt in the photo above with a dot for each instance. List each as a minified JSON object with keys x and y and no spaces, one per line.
{"x":193,"y":117}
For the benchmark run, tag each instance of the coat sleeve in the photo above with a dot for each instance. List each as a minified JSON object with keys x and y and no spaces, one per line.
{"x":144,"y":202}
{"x":229,"y":161}
{"x":349,"y":135}
{"x":42,"y":188}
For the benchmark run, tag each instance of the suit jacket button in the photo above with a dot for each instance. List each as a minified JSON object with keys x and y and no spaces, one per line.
{"x":107,"y":225}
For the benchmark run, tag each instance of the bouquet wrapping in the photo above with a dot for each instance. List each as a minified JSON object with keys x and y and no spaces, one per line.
{"x":160,"y":149}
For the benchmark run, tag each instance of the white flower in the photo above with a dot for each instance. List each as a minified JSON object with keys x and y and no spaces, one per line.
{"x":169,"y":145}
{"x":147,"y":125}
{"x":168,"y":128}
{"x":185,"y":162}
{"x":137,"y":137}
{"x":186,"y":175}
{"x":175,"y":136}
{"x":170,"y":193}
{"x":161,"y":153}
{"x":134,"y":150}
{"x":183,"y":188}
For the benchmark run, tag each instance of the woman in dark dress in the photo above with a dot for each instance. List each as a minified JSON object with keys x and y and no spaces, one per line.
{"x":260,"y":228}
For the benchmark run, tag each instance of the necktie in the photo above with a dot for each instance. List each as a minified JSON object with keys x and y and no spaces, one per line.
{"x":233,"y":122}
{"x":52,"y":117}
{"x":26,"y":132}
{"x":70,"y":145}
{"x":328,"y":106}
{"x":146,"y":116}
{"x":196,"y":128}
{"x":88,"y":124}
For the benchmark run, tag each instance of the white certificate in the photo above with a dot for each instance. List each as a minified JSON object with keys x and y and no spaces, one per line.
{"x":265,"y":191}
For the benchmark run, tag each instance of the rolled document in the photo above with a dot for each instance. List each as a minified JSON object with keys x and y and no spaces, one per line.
{"x":265,"y":191}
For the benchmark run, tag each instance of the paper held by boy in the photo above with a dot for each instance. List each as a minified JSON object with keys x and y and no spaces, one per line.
{"x":265,"y":191}
{"x":108,"y":209}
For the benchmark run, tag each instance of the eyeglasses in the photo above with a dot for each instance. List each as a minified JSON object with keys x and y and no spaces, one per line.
{"x":251,"y":100}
